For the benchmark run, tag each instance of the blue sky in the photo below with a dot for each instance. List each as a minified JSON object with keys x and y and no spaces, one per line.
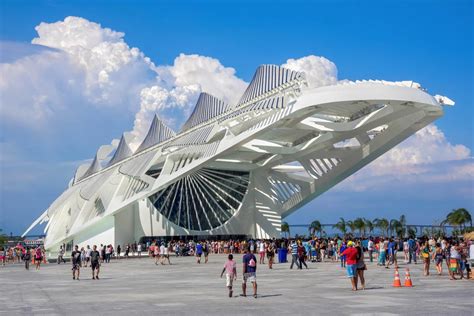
{"x":430,"y":42}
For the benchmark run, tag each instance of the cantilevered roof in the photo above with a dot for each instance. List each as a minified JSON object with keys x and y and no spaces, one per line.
{"x":122,"y":152}
{"x":157,"y":133}
{"x":207,"y":107}
{"x":267,"y":78}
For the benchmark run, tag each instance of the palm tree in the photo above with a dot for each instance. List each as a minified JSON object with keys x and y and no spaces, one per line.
{"x":403,"y":223}
{"x":341,"y":226}
{"x":359,"y":224}
{"x":396,"y":227}
{"x":314,"y":227}
{"x":351,"y":226}
{"x":285,"y":228}
{"x":382,"y":224}
{"x":369,"y":225}
{"x":459,"y":218}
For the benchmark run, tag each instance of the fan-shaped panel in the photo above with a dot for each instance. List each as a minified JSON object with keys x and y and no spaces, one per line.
{"x":204,"y":199}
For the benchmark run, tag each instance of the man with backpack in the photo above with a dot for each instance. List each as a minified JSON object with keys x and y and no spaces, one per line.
{"x":249,"y":272}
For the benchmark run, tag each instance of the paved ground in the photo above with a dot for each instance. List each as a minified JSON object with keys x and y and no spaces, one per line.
{"x":137,"y":286}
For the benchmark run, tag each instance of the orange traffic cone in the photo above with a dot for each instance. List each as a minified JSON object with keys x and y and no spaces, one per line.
{"x":396,"y":281}
{"x":408,"y":279}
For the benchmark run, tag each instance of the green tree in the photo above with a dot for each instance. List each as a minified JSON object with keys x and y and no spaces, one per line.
{"x":341,"y":226}
{"x":3,"y":238}
{"x":285,"y":228}
{"x":351,"y":226}
{"x":315,"y":227}
{"x":369,"y":225}
{"x":396,"y":227}
{"x":382,"y":224}
{"x":359,"y":224}
{"x":459,"y":218}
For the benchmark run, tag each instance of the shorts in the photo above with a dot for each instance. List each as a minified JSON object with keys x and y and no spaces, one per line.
{"x":198,"y":255}
{"x":351,"y":270}
{"x":249,"y":276}
{"x":229,"y":279}
{"x":462,"y":265}
{"x":75,"y":266}
{"x":38,"y":259}
{"x":95,"y":265}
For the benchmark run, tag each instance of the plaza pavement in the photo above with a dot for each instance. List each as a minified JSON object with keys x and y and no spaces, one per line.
{"x":139,"y":287}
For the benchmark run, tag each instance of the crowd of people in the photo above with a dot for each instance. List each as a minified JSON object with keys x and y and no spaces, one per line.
{"x":350,"y":253}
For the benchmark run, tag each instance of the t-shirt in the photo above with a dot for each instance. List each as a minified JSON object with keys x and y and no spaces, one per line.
{"x":88,"y":253}
{"x":370,"y":245}
{"x":351,"y":255}
{"x":229,"y":267}
{"x":262,"y":247}
{"x":95,"y":255}
{"x":294,"y":249}
{"x":162,"y":249}
{"x":250,"y":263}
{"x":199,"y":249}
{"x":76,"y":257}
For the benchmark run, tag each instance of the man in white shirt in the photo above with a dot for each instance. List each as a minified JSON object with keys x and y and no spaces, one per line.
{"x":370,"y":248}
{"x":261,"y":251}
{"x":164,"y":251}
{"x":88,"y":255}
{"x":139,"y":250}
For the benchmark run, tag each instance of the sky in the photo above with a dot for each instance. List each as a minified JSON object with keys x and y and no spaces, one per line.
{"x":75,"y":76}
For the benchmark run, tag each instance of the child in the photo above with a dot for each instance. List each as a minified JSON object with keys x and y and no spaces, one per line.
{"x":231,"y":273}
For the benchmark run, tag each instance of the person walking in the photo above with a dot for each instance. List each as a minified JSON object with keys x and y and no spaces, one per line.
{"x":88,"y":255}
{"x":38,"y":257}
{"x":76,"y":262}
{"x":198,"y":252}
{"x":371,"y":248}
{"x":95,"y":264}
{"x":341,"y":256}
{"x":119,"y":250}
{"x":351,"y":257}
{"x":205,"y":251}
{"x":27,"y":258}
{"x":438,"y":258}
{"x":231,"y":273}
{"x":425,"y":254}
{"x":127,"y":251}
{"x":249,"y":272}
{"x":294,"y":254}
{"x":361,"y":267}
{"x":270,"y":254}
{"x":411,"y":250}
{"x":61,"y":255}
{"x":301,"y":255}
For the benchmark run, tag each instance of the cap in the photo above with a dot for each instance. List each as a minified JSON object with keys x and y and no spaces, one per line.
{"x":350,"y":243}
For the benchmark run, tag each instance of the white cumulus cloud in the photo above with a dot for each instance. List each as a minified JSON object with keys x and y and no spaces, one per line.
{"x":111,"y":67}
{"x":425,"y":157}
{"x":319,"y":71}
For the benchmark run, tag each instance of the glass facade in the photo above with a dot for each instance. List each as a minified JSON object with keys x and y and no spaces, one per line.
{"x":204,"y":199}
